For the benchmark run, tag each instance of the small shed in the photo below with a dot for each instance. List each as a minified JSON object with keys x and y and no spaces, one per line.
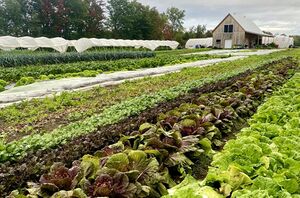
{"x":236,"y":31}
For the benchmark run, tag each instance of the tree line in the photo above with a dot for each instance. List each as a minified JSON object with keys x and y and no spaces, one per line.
{"x":297,"y":40}
{"x":74,"y":19}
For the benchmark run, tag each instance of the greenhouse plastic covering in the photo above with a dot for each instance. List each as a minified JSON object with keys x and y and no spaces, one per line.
{"x":282,"y":41}
{"x":199,"y":42}
{"x":61,"y":45}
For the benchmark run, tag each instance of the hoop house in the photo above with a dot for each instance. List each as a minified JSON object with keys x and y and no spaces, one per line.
{"x":199,"y":42}
{"x":283,"y":41}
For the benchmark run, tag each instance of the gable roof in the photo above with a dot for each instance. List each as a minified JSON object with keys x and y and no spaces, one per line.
{"x":245,"y":23}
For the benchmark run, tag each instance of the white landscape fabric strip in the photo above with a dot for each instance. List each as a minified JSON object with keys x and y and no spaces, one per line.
{"x":61,"y":45}
{"x":236,"y":52}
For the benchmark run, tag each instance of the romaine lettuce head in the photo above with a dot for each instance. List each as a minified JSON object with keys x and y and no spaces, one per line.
{"x":191,"y":188}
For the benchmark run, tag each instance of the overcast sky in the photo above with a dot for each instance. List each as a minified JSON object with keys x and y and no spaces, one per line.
{"x":276,"y":16}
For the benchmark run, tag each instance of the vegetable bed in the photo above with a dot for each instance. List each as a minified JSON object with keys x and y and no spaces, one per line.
{"x":264,"y":159}
{"x":157,"y":156}
{"x":92,"y":68}
{"x":17,"y":60}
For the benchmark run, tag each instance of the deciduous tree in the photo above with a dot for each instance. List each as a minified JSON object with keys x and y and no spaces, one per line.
{"x":176,"y":18}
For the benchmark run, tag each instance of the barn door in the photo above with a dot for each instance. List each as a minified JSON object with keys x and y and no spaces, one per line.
{"x":228,"y":44}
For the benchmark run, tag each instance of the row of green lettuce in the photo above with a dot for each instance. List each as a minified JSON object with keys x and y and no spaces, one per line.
{"x":17,"y":60}
{"x":157,"y":156}
{"x":264,"y":160}
{"x":18,"y":149}
{"x":28,"y":74}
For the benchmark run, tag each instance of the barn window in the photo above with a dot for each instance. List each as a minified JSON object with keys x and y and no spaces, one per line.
{"x":228,"y":28}
{"x":225,"y":28}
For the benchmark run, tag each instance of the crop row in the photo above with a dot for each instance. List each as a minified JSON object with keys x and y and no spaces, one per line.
{"x":145,"y":163}
{"x":92,"y":68}
{"x":264,"y":159}
{"x":44,"y":115}
{"x":17,"y":60}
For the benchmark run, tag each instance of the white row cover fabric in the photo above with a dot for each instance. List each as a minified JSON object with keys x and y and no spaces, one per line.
{"x":282,"y":41}
{"x":8,"y":43}
{"x":199,"y":42}
{"x":61,"y":45}
{"x":28,"y":42}
{"x":85,"y":43}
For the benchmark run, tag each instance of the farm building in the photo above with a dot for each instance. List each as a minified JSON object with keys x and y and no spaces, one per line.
{"x":236,"y":31}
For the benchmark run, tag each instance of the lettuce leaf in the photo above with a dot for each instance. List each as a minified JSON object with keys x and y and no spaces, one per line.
{"x":191,"y":188}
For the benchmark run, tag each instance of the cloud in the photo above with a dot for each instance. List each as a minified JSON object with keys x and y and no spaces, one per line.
{"x":277,"y":16}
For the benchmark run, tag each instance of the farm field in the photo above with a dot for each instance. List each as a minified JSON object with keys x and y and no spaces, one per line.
{"x":141,"y":138}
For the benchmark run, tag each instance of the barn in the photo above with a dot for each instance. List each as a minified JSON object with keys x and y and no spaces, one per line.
{"x":236,"y":31}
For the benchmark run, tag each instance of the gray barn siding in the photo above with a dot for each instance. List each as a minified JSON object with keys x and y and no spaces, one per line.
{"x":237,"y":36}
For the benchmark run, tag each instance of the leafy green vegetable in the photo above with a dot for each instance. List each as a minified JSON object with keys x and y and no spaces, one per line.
{"x":118,"y":161}
{"x":191,"y":188}
{"x":25,"y":81}
{"x":264,"y":159}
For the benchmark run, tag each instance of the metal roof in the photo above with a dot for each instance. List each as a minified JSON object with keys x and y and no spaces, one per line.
{"x":247,"y":24}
